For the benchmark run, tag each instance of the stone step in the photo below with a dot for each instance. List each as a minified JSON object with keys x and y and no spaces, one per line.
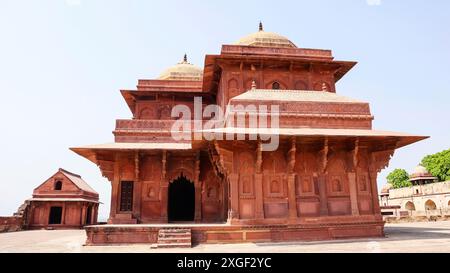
{"x":175,"y":230}
{"x":174,"y":234}
{"x":175,"y":245}
{"x":174,"y":238}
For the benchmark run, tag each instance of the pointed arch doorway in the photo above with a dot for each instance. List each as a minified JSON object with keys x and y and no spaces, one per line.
{"x":181,"y":205}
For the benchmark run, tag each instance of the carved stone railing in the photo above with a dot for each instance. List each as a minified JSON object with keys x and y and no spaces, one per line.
{"x":147,"y":125}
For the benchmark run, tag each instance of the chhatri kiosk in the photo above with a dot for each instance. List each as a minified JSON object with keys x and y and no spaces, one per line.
{"x":320,"y":183}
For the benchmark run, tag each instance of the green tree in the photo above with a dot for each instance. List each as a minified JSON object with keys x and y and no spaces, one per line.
{"x":399,"y":178}
{"x":438,"y":164}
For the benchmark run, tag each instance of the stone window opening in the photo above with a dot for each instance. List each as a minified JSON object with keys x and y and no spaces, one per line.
{"x":126,"y":196}
{"x":58,"y":186}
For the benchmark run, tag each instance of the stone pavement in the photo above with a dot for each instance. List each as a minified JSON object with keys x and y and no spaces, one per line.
{"x":404,"y":237}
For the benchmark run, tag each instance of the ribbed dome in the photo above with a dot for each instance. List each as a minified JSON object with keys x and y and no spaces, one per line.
{"x":420,"y":171}
{"x":183,"y":71}
{"x":266,"y":39}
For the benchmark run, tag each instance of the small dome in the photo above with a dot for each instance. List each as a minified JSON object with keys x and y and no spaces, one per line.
{"x":420,"y":172}
{"x":266,"y":39}
{"x":385,"y":189}
{"x":183,"y":71}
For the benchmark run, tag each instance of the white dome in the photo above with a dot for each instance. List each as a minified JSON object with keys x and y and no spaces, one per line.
{"x":420,"y":171}
{"x":266,"y":39}
{"x":182,"y":71}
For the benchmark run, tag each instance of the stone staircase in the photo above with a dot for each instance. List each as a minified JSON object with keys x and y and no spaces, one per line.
{"x":174,"y":238}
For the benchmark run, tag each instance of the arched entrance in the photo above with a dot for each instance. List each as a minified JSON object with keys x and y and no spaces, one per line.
{"x":430,"y":205}
{"x":410,"y":206}
{"x":181,"y":205}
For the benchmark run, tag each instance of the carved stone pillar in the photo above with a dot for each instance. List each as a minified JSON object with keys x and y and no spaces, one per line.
{"x":379,"y":160}
{"x":198,"y":190}
{"x":114,"y":190}
{"x":164,"y":189}
{"x":292,"y":198}
{"x":353,"y":193}
{"x":258,"y":182}
{"x":225,"y":199}
{"x":83,"y":214}
{"x":259,"y":199}
{"x":374,"y":190}
{"x":322,"y":178}
{"x":198,"y":202}
{"x":63,"y":217}
{"x":234,"y":186}
{"x":94,"y":214}
{"x":137,"y":194}
{"x":322,"y":182}
{"x":164,"y":192}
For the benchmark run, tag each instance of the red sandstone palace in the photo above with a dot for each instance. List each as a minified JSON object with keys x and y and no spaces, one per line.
{"x":321,"y":182}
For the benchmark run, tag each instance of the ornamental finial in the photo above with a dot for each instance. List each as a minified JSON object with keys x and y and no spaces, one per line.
{"x":185,"y":58}
{"x":253,"y":85}
{"x":261,"y":26}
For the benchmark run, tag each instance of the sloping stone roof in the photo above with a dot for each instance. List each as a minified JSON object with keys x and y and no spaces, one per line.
{"x":293,"y":95}
{"x":78,"y":181}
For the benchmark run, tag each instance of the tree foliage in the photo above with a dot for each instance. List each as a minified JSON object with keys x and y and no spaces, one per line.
{"x":438,"y":164}
{"x":399,"y":178}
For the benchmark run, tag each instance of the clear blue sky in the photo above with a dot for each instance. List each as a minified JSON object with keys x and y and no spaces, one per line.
{"x":62,"y":63}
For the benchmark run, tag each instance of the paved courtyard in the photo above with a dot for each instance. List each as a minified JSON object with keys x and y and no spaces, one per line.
{"x":405,"y":237}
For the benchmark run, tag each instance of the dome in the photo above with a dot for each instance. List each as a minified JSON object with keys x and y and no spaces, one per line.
{"x":183,"y":71}
{"x":266,"y":39}
{"x":385,"y":189}
{"x":420,"y":172}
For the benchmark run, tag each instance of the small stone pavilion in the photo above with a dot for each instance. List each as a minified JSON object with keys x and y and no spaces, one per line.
{"x":319,"y":183}
{"x":63,"y":201}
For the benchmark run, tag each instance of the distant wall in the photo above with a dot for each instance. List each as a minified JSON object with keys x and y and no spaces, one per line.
{"x":428,"y":189}
{"x":11,"y":224}
{"x":430,"y":200}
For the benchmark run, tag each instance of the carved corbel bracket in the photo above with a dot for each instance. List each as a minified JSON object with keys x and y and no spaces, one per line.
{"x":221,"y":159}
{"x":379,"y":160}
